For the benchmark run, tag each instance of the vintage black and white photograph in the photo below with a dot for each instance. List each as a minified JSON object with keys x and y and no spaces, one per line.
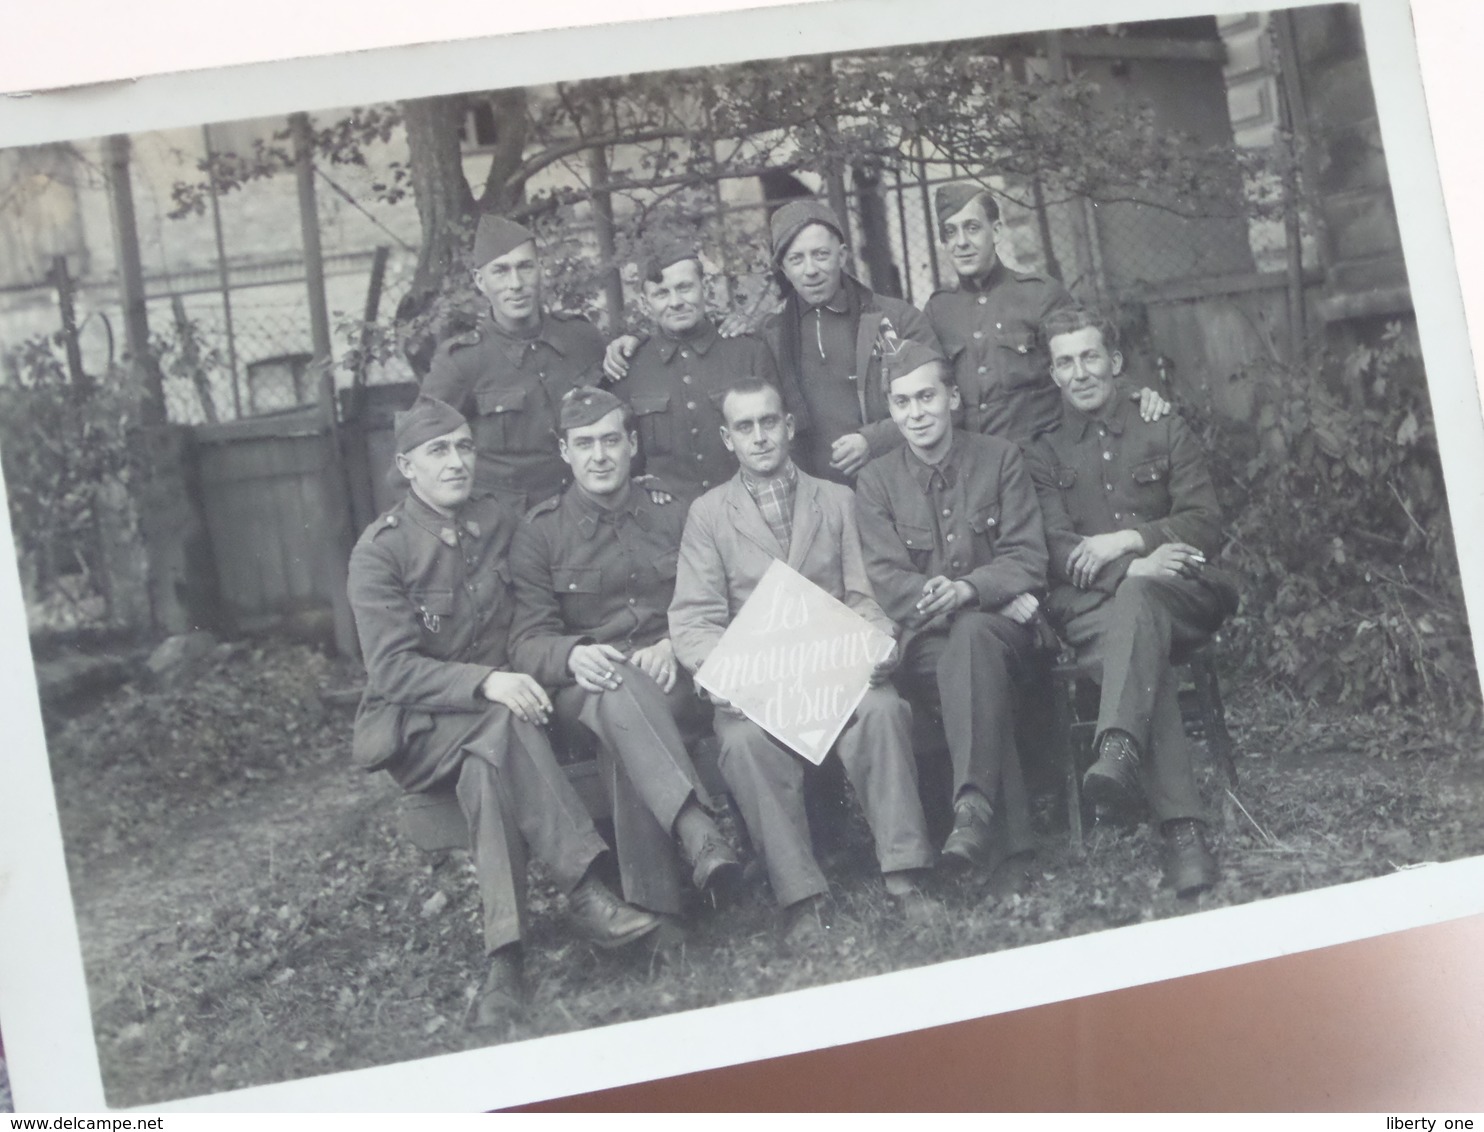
{"x":509,"y":563}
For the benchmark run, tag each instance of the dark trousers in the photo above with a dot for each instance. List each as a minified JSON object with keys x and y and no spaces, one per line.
{"x":639,"y":734}
{"x":767,"y":782}
{"x":974,"y":674}
{"x":513,"y":795}
{"x":1132,"y":637}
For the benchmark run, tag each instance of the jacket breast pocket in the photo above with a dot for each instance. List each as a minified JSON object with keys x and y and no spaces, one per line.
{"x":920,"y":543}
{"x":985,"y":523}
{"x":1020,"y":360}
{"x":507,"y":421}
{"x":579,"y":591}
{"x":1151,"y":480}
{"x":656,"y":429}
{"x":434,"y":608}
{"x":1066,"y":478}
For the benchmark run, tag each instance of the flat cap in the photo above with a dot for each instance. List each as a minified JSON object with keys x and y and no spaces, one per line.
{"x":663,"y":252}
{"x":586,"y":405}
{"x":427,"y":419}
{"x":901,"y":356}
{"x":497,"y":236}
{"x":797,"y":215}
{"x":949,"y":199}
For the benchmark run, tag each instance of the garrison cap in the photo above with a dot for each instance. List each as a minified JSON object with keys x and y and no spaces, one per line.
{"x":586,"y":405}
{"x":949,"y":199}
{"x":497,"y":236}
{"x":901,"y":356}
{"x":795,"y":216}
{"x":663,"y":252}
{"x":426,"y":419}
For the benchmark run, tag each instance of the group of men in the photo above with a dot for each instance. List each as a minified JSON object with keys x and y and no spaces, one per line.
{"x":964,"y":477}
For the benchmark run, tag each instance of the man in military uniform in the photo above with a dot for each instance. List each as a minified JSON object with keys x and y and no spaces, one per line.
{"x":429,"y":585}
{"x":594,"y":573}
{"x":1131,"y":525}
{"x":954,"y":549}
{"x":770,"y":509}
{"x":510,"y":372}
{"x":827,"y":339}
{"x":675,"y":379}
{"x":987,"y":325}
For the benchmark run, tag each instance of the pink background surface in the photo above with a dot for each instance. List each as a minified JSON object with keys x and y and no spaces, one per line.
{"x":1392,"y":1023}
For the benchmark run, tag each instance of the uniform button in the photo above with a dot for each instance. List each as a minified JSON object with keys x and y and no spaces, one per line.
{"x":983,"y":369}
{"x":571,"y":585}
{"x":946,"y":512}
{"x":1118,"y":514}
{"x":978,"y":334}
{"x":685,"y":354}
{"x":982,"y":300}
{"x":686,"y":379}
{"x":1102,"y":430}
{"x":705,"y":483}
{"x":984,"y":404}
{"x":633,"y":601}
{"x":1107,"y":455}
{"x":950,"y":538}
{"x":1108,"y":486}
{"x":695,"y":432}
{"x":699,"y":456}
{"x":690,"y":404}
{"x":999,"y":326}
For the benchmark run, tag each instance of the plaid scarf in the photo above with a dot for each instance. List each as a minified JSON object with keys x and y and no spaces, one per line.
{"x":775,"y":499}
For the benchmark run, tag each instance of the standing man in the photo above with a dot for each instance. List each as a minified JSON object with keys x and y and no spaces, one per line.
{"x":594,"y":573}
{"x":510,"y":372}
{"x":428,"y":585}
{"x":988,"y":325}
{"x":770,"y":509}
{"x":954,"y":548}
{"x":1131,"y":524}
{"x":828,"y":339}
{"x":675,"y":380}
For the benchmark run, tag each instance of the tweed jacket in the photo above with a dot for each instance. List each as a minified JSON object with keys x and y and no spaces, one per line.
{"x":727,"y":545}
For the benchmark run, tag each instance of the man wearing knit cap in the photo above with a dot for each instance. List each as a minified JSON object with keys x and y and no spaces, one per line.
{"x":509,"y":373}
{"x":675,"y":379}
{"x":826,"y":338}
{"x":953,"y":542}
{"x":428,"y":586}
{"x":987,"y":325}
{"x":594,"y":572}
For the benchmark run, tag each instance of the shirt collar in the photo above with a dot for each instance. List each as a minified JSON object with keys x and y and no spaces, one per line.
{"x":545,"y":333}
{"x":986,"y":282}
{"x":590,"y":514}
{"x":840,"y":304}
{"x":440,"y":526}
{"x":922,"y":471}
{"x":1111,"y":415}
{"x":700,"y":340}
{"x":788,"y":477}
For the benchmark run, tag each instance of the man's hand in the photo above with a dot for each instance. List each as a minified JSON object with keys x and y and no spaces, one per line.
{"x":1094,"y":552}
{"x":595,"y":667}
{"x":616,"y":357}
{"x":1172,"y":560}
{"x":1020,"y":609}
{"x":520,"y":693}
{"x":657,"y":662}
{"x":849,"y":454}
{"x":886,"y":666}
{"x":1152,"y":407}
{"x":939,"y":595}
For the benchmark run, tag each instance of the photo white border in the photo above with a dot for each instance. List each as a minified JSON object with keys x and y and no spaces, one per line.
{"x":43,"y":998}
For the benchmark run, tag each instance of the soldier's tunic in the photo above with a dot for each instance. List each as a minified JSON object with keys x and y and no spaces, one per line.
{"x":988,"y":330}
{"x":1116,"y":472}
{"x":975,"y":517}
{"x":726,"y":548}
{"x":586,"y":575}
{"x":675,"y":386}
{"x":510,"y":388}
{"x":432,"y":603}
{"x":830,"y":352}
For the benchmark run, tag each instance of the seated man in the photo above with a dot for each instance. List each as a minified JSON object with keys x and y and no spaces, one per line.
{"x":769,"y":510}
{"x":432,"y":607}
{"x":594,"y":571}
{"x":954,"y":548}
{"x":1131,"y":521}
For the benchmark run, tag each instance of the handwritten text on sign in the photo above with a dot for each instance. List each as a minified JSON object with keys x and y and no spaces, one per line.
{"x":795,"y":661}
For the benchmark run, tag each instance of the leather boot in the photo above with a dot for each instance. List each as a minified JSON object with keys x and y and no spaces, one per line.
{"x":1112,"y":783}
{"x":712,"y":861}
{"x":502,"y":998}
{"x":1189,"y":867}
{"x":604,"y":919}
{"x":970,"y":843}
